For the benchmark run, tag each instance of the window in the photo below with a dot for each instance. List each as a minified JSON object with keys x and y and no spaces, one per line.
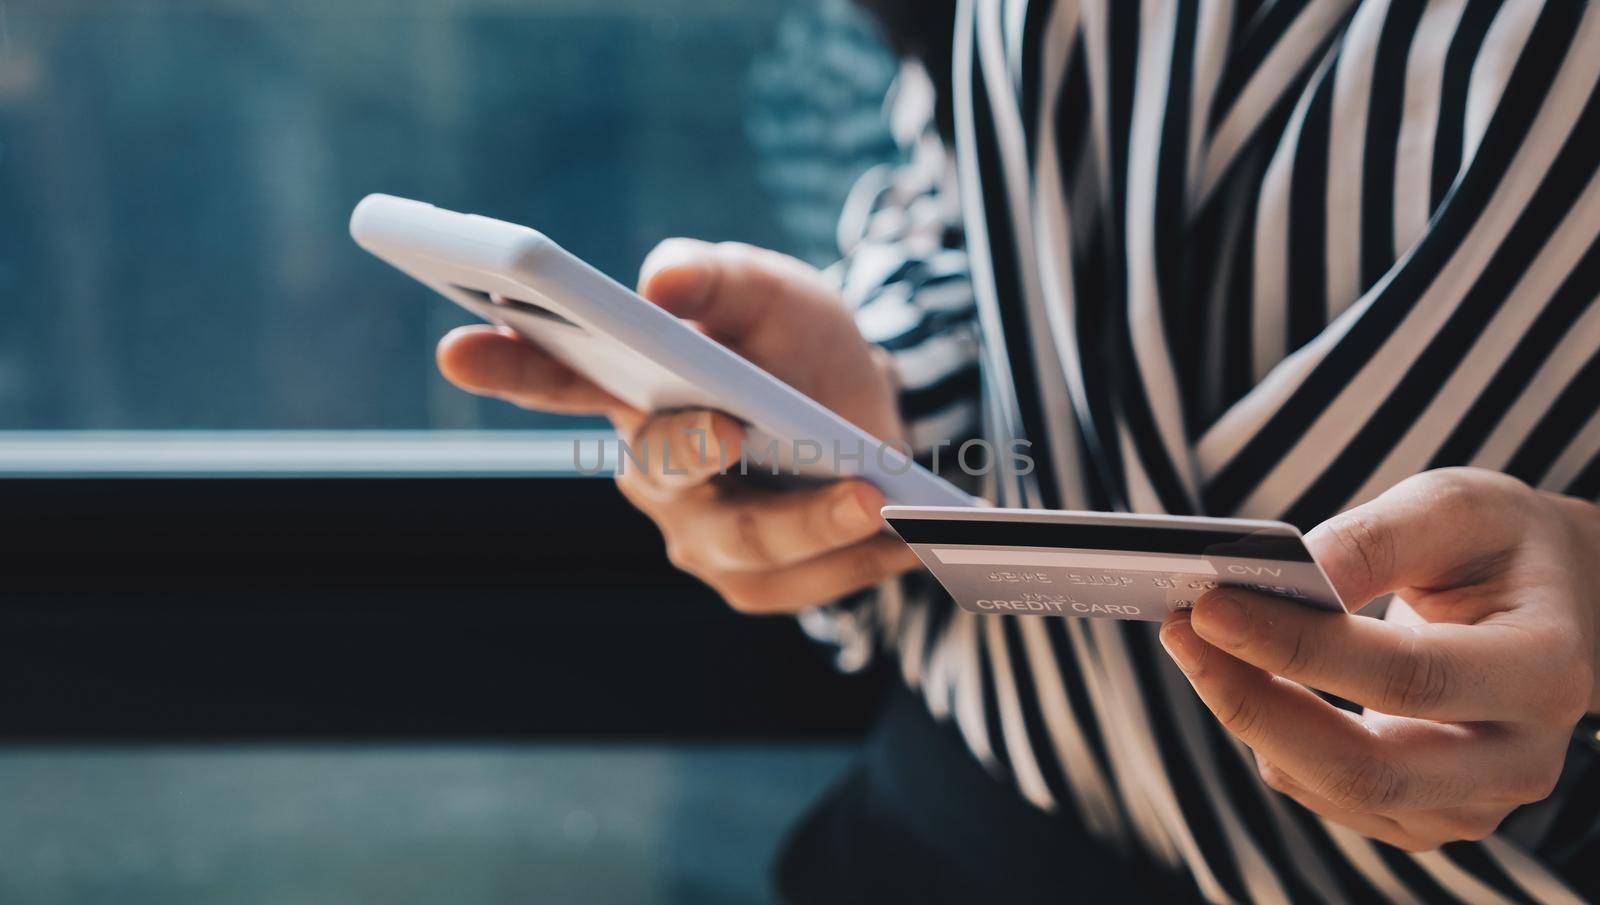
{"x":282,"y":524}
{"x":176,"y":177}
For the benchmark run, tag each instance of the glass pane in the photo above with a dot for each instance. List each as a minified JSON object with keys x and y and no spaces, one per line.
{"x":176,"y":178}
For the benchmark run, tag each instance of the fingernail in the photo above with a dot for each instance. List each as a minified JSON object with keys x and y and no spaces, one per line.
{"x":1222,"y":619}
{"x":1183,"y":645}
{"x":853,"y":509}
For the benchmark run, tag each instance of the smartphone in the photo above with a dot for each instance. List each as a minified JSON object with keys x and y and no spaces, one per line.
{"x":514,"y":276}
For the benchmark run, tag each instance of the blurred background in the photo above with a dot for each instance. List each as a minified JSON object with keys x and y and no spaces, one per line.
{"x":284,"y":617}
{"x":176,"y":177}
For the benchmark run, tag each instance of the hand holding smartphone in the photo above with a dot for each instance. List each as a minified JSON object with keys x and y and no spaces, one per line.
{"x":627,"y":346}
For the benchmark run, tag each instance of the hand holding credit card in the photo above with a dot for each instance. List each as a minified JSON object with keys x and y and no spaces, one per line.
{"x":1105,"y":565}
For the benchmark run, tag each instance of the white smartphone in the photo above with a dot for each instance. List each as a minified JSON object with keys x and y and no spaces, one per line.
{"x":514,"y":276}
{"x":1106,"y":565}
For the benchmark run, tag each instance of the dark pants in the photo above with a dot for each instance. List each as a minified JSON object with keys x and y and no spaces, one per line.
{"x":919,"y":820}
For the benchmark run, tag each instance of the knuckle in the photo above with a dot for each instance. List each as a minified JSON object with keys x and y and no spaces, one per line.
{"x":740,"y":602}
{"x":1304,"y":657}
{"x":1571,"y":688}
{"x":669,"y":244}
{"x":633,"y":488}
{"x":1273,"y":776}
{"x":1449,"y":492}
{"x":737,"y":250}
{"x":754,"y":266}
{"x":1476,"y":828}
{"x":742,"y":598}
{"x":633,"y":465}
{"x":866,"y":567}
{"x":1462,"y":494}
{"x":1557,"y":688}
{"x":672,"y":249}
{"x":677,"y":430}
{"x":750,"y":540}
{"x":1455,"y":489}
{"x":682,"y":444}
{"x":1581,"y":680}
{"x":1537,"y":784}
{"x":737,"y":255}
{"x":1371,"y":784}
{"x":1417,"y":679}
{"x":1368,"y":544}
{"x":817,"y":521}
{"x":674,"y":252}
{"x":1416,"y":845}
{"x":1565,"y":704}
{"x":682,"y":556}
{"x":1464,"y":489}
{"x":1243,"y":717}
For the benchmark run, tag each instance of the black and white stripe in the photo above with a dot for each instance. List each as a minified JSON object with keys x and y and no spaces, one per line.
{"x":1259,"y":259}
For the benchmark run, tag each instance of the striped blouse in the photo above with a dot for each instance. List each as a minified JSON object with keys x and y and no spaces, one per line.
{"x":1256,"y":258}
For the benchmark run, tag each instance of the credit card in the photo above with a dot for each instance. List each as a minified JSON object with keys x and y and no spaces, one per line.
{"x":1035,"y":562}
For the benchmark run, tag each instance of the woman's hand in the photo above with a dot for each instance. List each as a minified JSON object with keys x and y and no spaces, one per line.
{"x":763,"y":550}
{"x":1472,"y":684}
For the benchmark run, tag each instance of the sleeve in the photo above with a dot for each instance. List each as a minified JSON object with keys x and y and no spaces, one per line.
{"x":904,"y":270}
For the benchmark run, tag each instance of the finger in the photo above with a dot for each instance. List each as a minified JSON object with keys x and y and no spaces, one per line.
{"x":1281,"y":721}
{"x":1468,"y":824}
{"x":746,"y":531}
{"x":1381,"y":827}
{"x":1492,"y":763}
{"x":1419,"y":830}
{"x":727,"y":287}
{"x":1408,"y":765}
{"x":674,"y":451}
{"x":827,"y":577}
{"x":1414,"y":831}
{"x":1504,"y":668}
{"x":494,"y":361}
{"x":1440,"y":529}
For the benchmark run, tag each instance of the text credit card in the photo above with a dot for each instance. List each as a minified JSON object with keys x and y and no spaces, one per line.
{"x":1105,"y":565}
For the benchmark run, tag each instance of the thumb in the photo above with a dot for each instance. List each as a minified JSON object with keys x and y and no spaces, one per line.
{"x":1436,"y":530}
{"x":728,"y":288}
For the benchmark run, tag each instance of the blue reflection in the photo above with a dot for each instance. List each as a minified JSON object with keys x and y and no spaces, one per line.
{"x":176,"y":175}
